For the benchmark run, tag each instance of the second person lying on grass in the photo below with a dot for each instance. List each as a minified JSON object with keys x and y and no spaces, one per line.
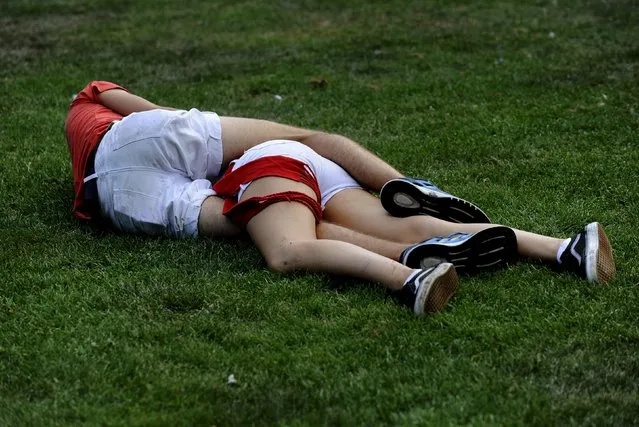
{"x":280,"y":190}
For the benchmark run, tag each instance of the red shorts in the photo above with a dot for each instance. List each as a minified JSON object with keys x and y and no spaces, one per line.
{"x":279,"y":166}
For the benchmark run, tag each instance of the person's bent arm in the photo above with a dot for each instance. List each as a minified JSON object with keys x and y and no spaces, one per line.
{"x":125,"y":103}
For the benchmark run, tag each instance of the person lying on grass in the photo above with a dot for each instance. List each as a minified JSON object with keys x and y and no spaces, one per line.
{"x":279,"y":190}
{"x":147,"y":173}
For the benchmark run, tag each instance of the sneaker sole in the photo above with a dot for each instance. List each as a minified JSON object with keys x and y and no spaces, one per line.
{"x":600,"y":265}
{"x":490,"y":249}
{"x":433,"y":295}
{"x":405,"y":199}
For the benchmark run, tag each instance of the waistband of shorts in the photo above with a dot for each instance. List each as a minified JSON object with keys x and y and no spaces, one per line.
{"x":91,"y":198}
{"x":89,"y":169}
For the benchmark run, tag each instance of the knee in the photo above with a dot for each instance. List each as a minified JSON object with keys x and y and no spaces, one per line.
{"x":410,"y":229}
{"x":419,"y":227}
{"x":322,"y":230}
{"x":286,"y":259}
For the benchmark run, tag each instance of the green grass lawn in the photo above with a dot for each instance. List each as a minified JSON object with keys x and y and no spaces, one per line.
{"x":531,"y":111}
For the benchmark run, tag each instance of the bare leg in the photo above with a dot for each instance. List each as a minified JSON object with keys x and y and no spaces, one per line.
{"x":285,"y":235}
{"x":392,"y":250}
{"x":240,"y":134}
{"x":211,"y":222}
{"x":363,"y":212}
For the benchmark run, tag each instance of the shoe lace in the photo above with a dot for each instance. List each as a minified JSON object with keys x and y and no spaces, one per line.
{"x":425,"y":183}
{"x":450,"y":238}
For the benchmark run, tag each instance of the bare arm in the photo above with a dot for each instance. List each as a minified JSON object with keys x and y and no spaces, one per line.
{"x":125,"y":103}
{"x":368,"y":169}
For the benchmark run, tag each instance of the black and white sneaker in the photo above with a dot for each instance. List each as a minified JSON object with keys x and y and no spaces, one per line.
{"x":429,"y":290}
{"x":489,"y":249}
{"x":404,"y":197}
{"x":589,"y":255}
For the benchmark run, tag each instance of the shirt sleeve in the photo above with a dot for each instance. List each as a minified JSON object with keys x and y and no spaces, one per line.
{"x":96,"y":87}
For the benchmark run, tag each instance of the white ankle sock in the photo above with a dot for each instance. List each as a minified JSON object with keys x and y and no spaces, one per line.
{"x":561,"y":250}
{"x":413,"y":274}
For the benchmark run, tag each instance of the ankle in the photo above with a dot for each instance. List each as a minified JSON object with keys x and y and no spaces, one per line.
{"x":562,"y":249}
{"x":410,"y":277}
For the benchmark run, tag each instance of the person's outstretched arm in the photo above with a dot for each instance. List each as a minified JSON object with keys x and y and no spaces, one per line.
{"x":367,"y":168}
{"x":125,"y":103}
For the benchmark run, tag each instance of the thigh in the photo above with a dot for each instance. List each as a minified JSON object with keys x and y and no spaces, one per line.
{"x":281,"y":223}
{"x":240,"y":134}
{"x":359,"y":210}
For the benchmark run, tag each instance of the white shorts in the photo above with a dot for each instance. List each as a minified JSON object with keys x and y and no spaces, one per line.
{"x":331,"y":177}
{"x":152,"y":170}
